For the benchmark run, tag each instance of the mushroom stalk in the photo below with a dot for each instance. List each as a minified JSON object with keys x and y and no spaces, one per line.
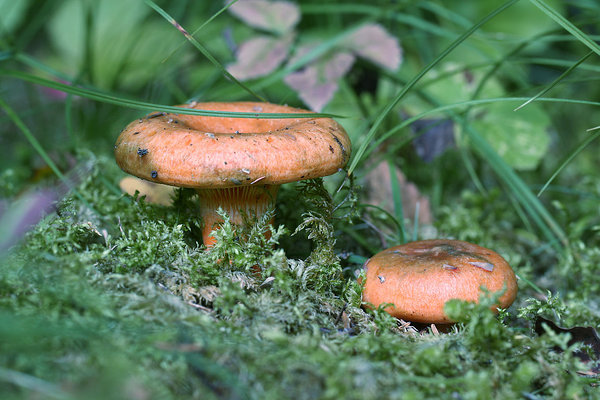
{"x":237,"y":202}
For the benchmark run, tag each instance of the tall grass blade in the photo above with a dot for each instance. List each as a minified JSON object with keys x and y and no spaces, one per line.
{"x":565,"y":23}
{"x":397,"y":200}
{"x":568,"y":159}
{"x":201,"y":48}
{"x":40,"y":150}
{"x":30,"y":382}
{"x":384,"y":211}
{"x":556,"y":81}
{"x":536,"y":210}
{"x":415,"y":234}
{"x":208,"y":21}
{"x":381,"y":117}
{"x":120,"y":101}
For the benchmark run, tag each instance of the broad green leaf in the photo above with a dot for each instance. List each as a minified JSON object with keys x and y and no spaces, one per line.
{"x":520,"y":138}
{"x":11,"y":13}
{"x":522,"y":20}
{"x":122,"y":45}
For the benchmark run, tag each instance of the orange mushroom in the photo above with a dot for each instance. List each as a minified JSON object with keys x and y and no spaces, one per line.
{"x":233,"y":163}
{"x":418,"y":278}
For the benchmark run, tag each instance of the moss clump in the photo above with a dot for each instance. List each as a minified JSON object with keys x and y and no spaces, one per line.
{"x":123,"y":303}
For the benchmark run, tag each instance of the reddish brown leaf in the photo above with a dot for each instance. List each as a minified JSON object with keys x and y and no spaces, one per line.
{"x":375,"y":44}
{"x":379,"y":193}
{"x":317,"y":83}
{"x":259,"y":56}
{"x":272,"y":16}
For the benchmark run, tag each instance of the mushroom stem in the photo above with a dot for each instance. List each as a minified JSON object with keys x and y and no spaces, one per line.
{"x":237,"y":202}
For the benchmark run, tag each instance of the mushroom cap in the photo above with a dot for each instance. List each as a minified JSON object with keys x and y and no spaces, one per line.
{"x":418,"y":278}
{"x":218,"y":152}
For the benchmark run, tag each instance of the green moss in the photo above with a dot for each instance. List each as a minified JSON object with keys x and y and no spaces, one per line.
{"x":123,"y":303}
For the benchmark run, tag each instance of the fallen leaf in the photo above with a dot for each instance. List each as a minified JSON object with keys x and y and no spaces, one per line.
{"x":579,"y":334}
{"x":272,"y":16}
{"x":375,"y":44}
{"x":379,"y":193}
{"x":155,"y":192}
{"x":434,"y":136}
{"x":259,"y":56}
{"x":317,"y":83}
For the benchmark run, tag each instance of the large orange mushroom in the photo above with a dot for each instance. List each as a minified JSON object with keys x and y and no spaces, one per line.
{"x":416,"y":279}
{"x":236,"y":164}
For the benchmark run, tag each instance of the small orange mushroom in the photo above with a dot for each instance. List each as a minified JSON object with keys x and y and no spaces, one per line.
{"x":236,"y":164}
{"x":418,"y":278}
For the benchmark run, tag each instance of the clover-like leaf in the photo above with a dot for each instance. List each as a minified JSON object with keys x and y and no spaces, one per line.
{"x":259,"y":56}
{"x":521,"y":138}
{"x":375,"y":44}
{"x":317,"y":83}
{"x":273,"y":16}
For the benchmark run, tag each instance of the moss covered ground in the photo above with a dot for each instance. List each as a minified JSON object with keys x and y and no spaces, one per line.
{"x":477,"y":119}
{"x":119,"y":301}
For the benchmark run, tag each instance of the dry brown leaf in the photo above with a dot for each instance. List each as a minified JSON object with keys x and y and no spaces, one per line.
{"x":379,"y":193}
{"x":584,"y":335}
{"x":272,"y":16}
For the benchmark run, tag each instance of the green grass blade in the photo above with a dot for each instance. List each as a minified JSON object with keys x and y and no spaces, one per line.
{"x":40,"y":150}
{"x":556,"y":81}
{"x":415,"y":234}
{"x":383,"y":211}
{"x":468,"y":163}
{"x":568,"y":159}
{"x":569,"y":27}
{"x":201,"y":48}
{"x":360,"y":240}
{"x":32,"y":383}
{"x":381,"y":117}
{"x":378,"y":12}
{"x":469,"y":103}
{"x":397,"y":201}
{"x":208,"y":21}
{"x":536,"y":210}
{"x":120,"y":101}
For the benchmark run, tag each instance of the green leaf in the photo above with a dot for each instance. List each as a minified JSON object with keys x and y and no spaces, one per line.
{"x":360,"y":153}
{"x":109,"y":41}
{"x":520,"y":138}
{"x":565,"y":23}
{"x":11,"y":13}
